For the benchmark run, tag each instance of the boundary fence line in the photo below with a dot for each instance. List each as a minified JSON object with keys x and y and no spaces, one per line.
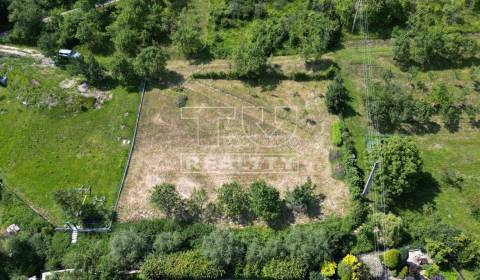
{"x":130,"y":152}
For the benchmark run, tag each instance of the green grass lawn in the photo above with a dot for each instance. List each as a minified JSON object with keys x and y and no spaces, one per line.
{"x":43,"y":150}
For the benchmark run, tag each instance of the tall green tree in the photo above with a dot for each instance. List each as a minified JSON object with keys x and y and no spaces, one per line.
{"x":249,"y":60}
{"x":166,"y":198}
{"x":233,"y":201}
{"x":151,"y":63}
{"x":400,"y":169}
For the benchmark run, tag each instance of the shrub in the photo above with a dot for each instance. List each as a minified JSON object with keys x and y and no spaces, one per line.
{"x":216,"y":76}
{"x":337,"y":128}
{"x":475,"y":211}
{"x":166,"y":198}
{"x":127,"y":249}
{"x":251,"y":271}
{"x":262,"y":252}
{"x":345,"y":271}
{"x":403,"y":273}
{"x":265,"y":201}
{"x":289,"y":269}
{"x":300,"y":76}
{"x":222,"y":248}
{"x":328,"y":268}
{"x":185,"y":265}
{"x":391,"y":258}
{"x":168,"y":242}
{"x":182,"y":101}
{"x":350,"y":268}
{"x":336,"y":97}
{"x":302,"y":199}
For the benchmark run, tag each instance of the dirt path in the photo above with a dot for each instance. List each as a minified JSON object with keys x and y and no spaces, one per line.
{"x":21,"y":52}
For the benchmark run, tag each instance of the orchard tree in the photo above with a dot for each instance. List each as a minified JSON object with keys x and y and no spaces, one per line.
{"x":336,"y":97}
{"x":249,"y":60}
{"x":400,"y":167}
{"x":151,"y":63}
{"x":233,"y":201}
{"x":69,"y":200}
{"x":166,"y":198}
{"x":266,"y":203}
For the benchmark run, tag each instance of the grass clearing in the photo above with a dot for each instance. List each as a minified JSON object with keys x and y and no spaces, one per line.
{"x":43,"y":150}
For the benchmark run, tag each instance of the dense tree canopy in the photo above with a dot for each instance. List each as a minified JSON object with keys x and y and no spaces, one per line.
{"x":186,"y":37}
{"x":151,"y":63}
{"x":400,"y":168}
{"x":27,"y":18}
{"x":265,"y":199}
{"x":233,"y":200}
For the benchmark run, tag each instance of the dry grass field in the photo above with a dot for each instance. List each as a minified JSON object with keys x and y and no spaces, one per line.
{"x":232,"y":131}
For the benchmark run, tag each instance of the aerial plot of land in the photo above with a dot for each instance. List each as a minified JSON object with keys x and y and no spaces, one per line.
{"x":240,"y":139}
{"x":231,"y":131}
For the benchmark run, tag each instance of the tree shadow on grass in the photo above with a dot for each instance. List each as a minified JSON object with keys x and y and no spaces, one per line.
{"x":421,"y":129}
{"x":427,"y":189}
{"x":203,"y":57}
{"x":349,"y":111}
{"x":285,"y":219}
{"x":320,"y":65}
{"x":171,"y":79}
{"x":269,"y":80}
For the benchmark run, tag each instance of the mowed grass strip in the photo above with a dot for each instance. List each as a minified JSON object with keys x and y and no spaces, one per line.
{"x":43,"y":150}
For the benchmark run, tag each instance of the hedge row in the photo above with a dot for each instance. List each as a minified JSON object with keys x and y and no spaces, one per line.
{"x":298,"y":76}
{"x":184,"y":265}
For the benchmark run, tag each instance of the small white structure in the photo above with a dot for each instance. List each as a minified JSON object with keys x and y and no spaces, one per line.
{"x":68,"y":53}
{"x":418,"y":258}
{"x":13,"y":229}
